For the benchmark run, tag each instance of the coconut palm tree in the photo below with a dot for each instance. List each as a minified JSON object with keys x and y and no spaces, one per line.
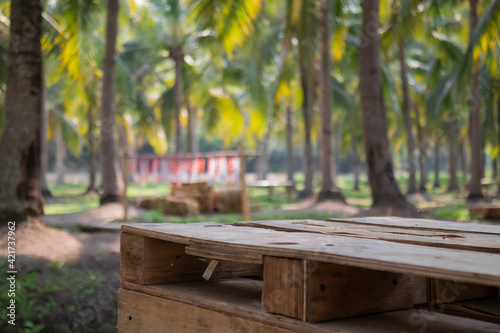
{"x":475,"y":189}
{"x":329,"y":189}
{"x":20,"y":141}
{"x":112,"y":182}
{"x":385,"y":190}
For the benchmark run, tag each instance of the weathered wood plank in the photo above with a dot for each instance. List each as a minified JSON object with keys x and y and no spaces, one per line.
{"x":138,"y":312}
{"x":240,"y":257}
{"x":422,"y":224}
{"x":437,"y":238}
{"x":234,"y":297}
{"x":440,"y":263}
{"x":241,"y":302}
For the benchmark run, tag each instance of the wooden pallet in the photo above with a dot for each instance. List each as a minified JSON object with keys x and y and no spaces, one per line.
{"x":310,"y":276}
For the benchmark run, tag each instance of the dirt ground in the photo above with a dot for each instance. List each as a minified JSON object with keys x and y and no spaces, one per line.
{"x":78,"y":273}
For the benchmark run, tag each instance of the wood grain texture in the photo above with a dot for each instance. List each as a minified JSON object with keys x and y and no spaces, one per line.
{"x":422,"y":224}
{"x":447,"y":239}
{"x":138,"y":312}
{"x":440,"y":263}
{"x":240,"y":299}
{"x":336,"y":291}
{"x":240,"y":257}
{"x":283,"y":290}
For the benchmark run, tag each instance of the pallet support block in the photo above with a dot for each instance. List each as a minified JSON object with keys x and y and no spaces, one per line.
{"x":146,"y":261}
{"x":315,"y":291}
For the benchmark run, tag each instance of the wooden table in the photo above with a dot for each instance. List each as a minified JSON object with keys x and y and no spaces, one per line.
{"x":343,"y":275}
{"x":272,"y":184}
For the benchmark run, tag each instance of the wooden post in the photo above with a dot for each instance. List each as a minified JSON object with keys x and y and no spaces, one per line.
{"x":245,"y":207}
{"x":125,"y":183}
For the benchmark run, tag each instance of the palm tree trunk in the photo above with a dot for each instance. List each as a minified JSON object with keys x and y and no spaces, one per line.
{"x":483,"y":155}
{"x":191,"y":130}
{"x":437,"y":183}
{"x":422,"y":147}
{"x":44,"y":144}
{"x":289,"y":147}
{"x":178,"y":56}
{"x":329,"y":189}
{"x":20,"y":141}
{"x":410,"y":144}
{"x":494,"y":168}
{"x":384,"y":188}
{"x":475,"y":190}
{"x":452,"y":147}
{"x":355,"y":162}
{"x":60,"y":155}
{"x":263,"y":160}
{"x":307,"y":115}
{"x":112,"y":182}
{"x":91,"y":159}
{"x":498,"y":119}
{"x":463,"y":161}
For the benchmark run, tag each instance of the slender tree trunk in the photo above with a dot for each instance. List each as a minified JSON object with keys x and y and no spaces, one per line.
{"x":178,"y":56}
{"x":437,"y":182}
{"x":60,"y":155}
{"x":498,"y":119}
{"x":307,"y":115}
{"x":475,"y":190}
{"x":329,"y":189}
{"x":422,"y":147}
{"x":384,"y":188}
{"x":410,"y":144}
{"x":190,"y":127}
{"x":44,"y":144}
{"x":91,"y":158}
{"x":263,"y":160}
{"x":355,"y":162}
{"x":112,"y":182}
{"x":494,"y":168}
{"x":194,"y":131}
{"x":20,"y":140}
{"x":463,"y":161}
{"x":452,"y":147}
{"x":483,"y":155}
{"x":289,"y":147}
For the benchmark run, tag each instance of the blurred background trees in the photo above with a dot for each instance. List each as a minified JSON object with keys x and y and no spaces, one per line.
{"x":316,"y":87}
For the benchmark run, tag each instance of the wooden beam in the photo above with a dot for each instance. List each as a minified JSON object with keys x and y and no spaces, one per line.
{"x":210,"y":254}
{"x":245,"y":206}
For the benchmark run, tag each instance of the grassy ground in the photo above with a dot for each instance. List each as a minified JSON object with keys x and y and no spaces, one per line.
{"x":69,"y":199}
